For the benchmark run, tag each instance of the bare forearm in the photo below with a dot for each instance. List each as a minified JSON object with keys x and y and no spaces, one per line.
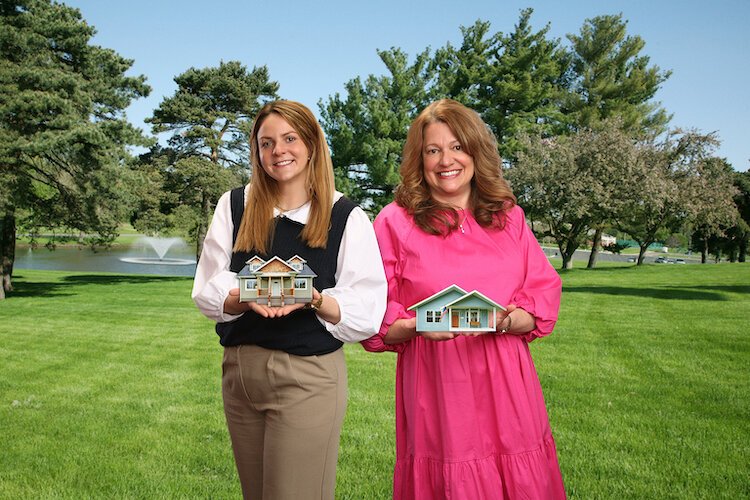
{"x":328,"y":310}
{"x":517,"y":321}
{"x":400,"y":331}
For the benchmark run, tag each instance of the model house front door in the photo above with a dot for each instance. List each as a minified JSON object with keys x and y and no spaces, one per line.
{"x":454,"y":319}
{"x":276,"y":288}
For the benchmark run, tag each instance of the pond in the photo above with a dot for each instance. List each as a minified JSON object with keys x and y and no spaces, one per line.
{"x":110,"y":261}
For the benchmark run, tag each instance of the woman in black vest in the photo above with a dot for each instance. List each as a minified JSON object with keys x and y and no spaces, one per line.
{"x":284,"y":379}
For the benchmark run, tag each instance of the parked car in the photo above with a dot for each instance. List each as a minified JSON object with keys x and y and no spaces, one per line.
{"x":666,"y":260}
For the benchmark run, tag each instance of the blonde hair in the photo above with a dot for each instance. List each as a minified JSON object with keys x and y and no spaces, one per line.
{"x":257,"y":226}
{"x":491,"y":195}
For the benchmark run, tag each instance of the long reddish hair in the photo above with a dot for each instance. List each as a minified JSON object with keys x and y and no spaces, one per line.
{"x":490,"y":196}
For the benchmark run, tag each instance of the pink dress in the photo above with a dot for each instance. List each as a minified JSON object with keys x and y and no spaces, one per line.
{"x":470,"y":416}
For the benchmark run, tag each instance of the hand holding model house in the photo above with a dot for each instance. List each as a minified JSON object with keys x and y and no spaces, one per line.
{"x":275,"y":287}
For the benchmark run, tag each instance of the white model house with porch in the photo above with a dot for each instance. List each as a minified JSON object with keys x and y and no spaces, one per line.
{"x":276,"y":282}
{"x":452,"y":309}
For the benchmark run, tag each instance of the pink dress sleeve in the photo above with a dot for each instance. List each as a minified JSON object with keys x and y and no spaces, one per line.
{"x":388,"y":225}
{"x":542,"y":287}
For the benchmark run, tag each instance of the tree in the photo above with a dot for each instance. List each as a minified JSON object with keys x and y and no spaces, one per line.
{"x":461,"y":72}
{"x":546,"y":184}
{"x":656,"y":198}
{"x":515,"y":81}
{"x":715,"y":209}
{"x":63,"y":132}
{"x":740,"y":233}
{"x":211,"y":110}
{"x":612,"y":80}
{"x":195,"y":183}
{"x":151,"y":212}
{"x":568,"y":183}
{"x":209,"y":117}
{"x":679,"y":182}
{"x":367,"y":129}
{"x":524,"y":86}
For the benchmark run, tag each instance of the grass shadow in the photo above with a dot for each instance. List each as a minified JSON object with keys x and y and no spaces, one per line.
{"x":617,"y":267}
{"x":65,"y":286}
{"x":109,"y":279}
{"x":673,"y":293}
{"x":743,"y":289}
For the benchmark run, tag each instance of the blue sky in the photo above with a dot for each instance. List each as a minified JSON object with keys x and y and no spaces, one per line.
{"x":313,"y":48}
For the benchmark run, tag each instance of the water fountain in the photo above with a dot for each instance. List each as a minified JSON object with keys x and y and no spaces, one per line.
{"x":160,"y":246}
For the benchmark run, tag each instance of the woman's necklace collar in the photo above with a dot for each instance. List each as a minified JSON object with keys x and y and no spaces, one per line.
{"x":285,"y":210}
{"x":461,"y":224}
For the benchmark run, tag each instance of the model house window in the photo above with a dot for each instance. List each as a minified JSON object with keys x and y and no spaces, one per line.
{"x":297,"y":266}
{"x":250,"y":284}
{"x":433,"y":316}
{"x":300,"y":284}
{"x":254,"y":266}
{"x":473,"y":315}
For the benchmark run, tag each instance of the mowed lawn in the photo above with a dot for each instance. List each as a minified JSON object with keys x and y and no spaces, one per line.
{"x":110,"y":388}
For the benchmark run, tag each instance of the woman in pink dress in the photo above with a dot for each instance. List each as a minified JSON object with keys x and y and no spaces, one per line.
{"x":471,"y":422}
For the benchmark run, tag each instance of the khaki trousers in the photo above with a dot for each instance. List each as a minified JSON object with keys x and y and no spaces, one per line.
{"x":284,"y":414}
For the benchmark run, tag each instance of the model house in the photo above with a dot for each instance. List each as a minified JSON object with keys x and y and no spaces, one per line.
{"x":276,"y":282}
{"x":452,"y":309}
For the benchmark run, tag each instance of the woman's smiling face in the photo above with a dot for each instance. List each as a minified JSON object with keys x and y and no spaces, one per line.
{"x":283,"y":154}
{"x":448,"y":169}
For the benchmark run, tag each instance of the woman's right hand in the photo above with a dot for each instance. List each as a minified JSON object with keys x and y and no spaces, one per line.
{"x":401,"y":330}
{"x":232,"y":304}
{"x":406,"y":329}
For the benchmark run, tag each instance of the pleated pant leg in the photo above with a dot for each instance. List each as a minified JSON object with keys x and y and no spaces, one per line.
{"x":284,"y":414}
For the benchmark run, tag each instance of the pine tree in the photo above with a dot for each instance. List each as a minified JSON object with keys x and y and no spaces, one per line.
{"x":63,"y":131}
{"x":209,"y":116}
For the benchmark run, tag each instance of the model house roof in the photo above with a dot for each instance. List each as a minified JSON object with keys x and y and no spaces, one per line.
{"x":471,"y":298}
{"x":455,"y":296}
{"x":275,"y":266}
{"x":453,"y":290}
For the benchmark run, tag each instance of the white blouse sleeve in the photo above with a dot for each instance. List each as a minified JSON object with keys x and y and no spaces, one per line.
{"x":213,"y":279}
{"x":361,"y":289}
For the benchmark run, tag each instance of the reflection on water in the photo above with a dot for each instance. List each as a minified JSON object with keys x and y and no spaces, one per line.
{"x":75,"y":259}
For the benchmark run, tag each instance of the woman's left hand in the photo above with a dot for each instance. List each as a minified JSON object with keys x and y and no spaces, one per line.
{"x":501,"y":317}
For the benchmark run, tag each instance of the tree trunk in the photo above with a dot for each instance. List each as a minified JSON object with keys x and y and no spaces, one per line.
{"x":595,"y":245}
{"x":641,"y":254}
{"x":733,"y":255}
{"x":7,"y":251}
{"x":566,"y":252}
{"x":567,"y":260}
{"x":743,"y":251}
{"x":704,"y":250}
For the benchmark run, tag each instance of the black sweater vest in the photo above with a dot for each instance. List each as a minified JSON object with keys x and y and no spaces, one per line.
{"x":300,"y":332}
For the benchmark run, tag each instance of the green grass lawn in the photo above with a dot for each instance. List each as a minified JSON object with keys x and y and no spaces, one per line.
{"x":110,"y":388}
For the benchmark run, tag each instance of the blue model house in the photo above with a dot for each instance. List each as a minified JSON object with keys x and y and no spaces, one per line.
{"x":452,"y":309}
{"x":276,"y":282}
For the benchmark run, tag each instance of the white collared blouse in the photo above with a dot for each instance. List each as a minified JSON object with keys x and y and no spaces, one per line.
{"x":360,"y":290}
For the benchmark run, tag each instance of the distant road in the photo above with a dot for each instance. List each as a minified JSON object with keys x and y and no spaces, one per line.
{"x":649,"y":258}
